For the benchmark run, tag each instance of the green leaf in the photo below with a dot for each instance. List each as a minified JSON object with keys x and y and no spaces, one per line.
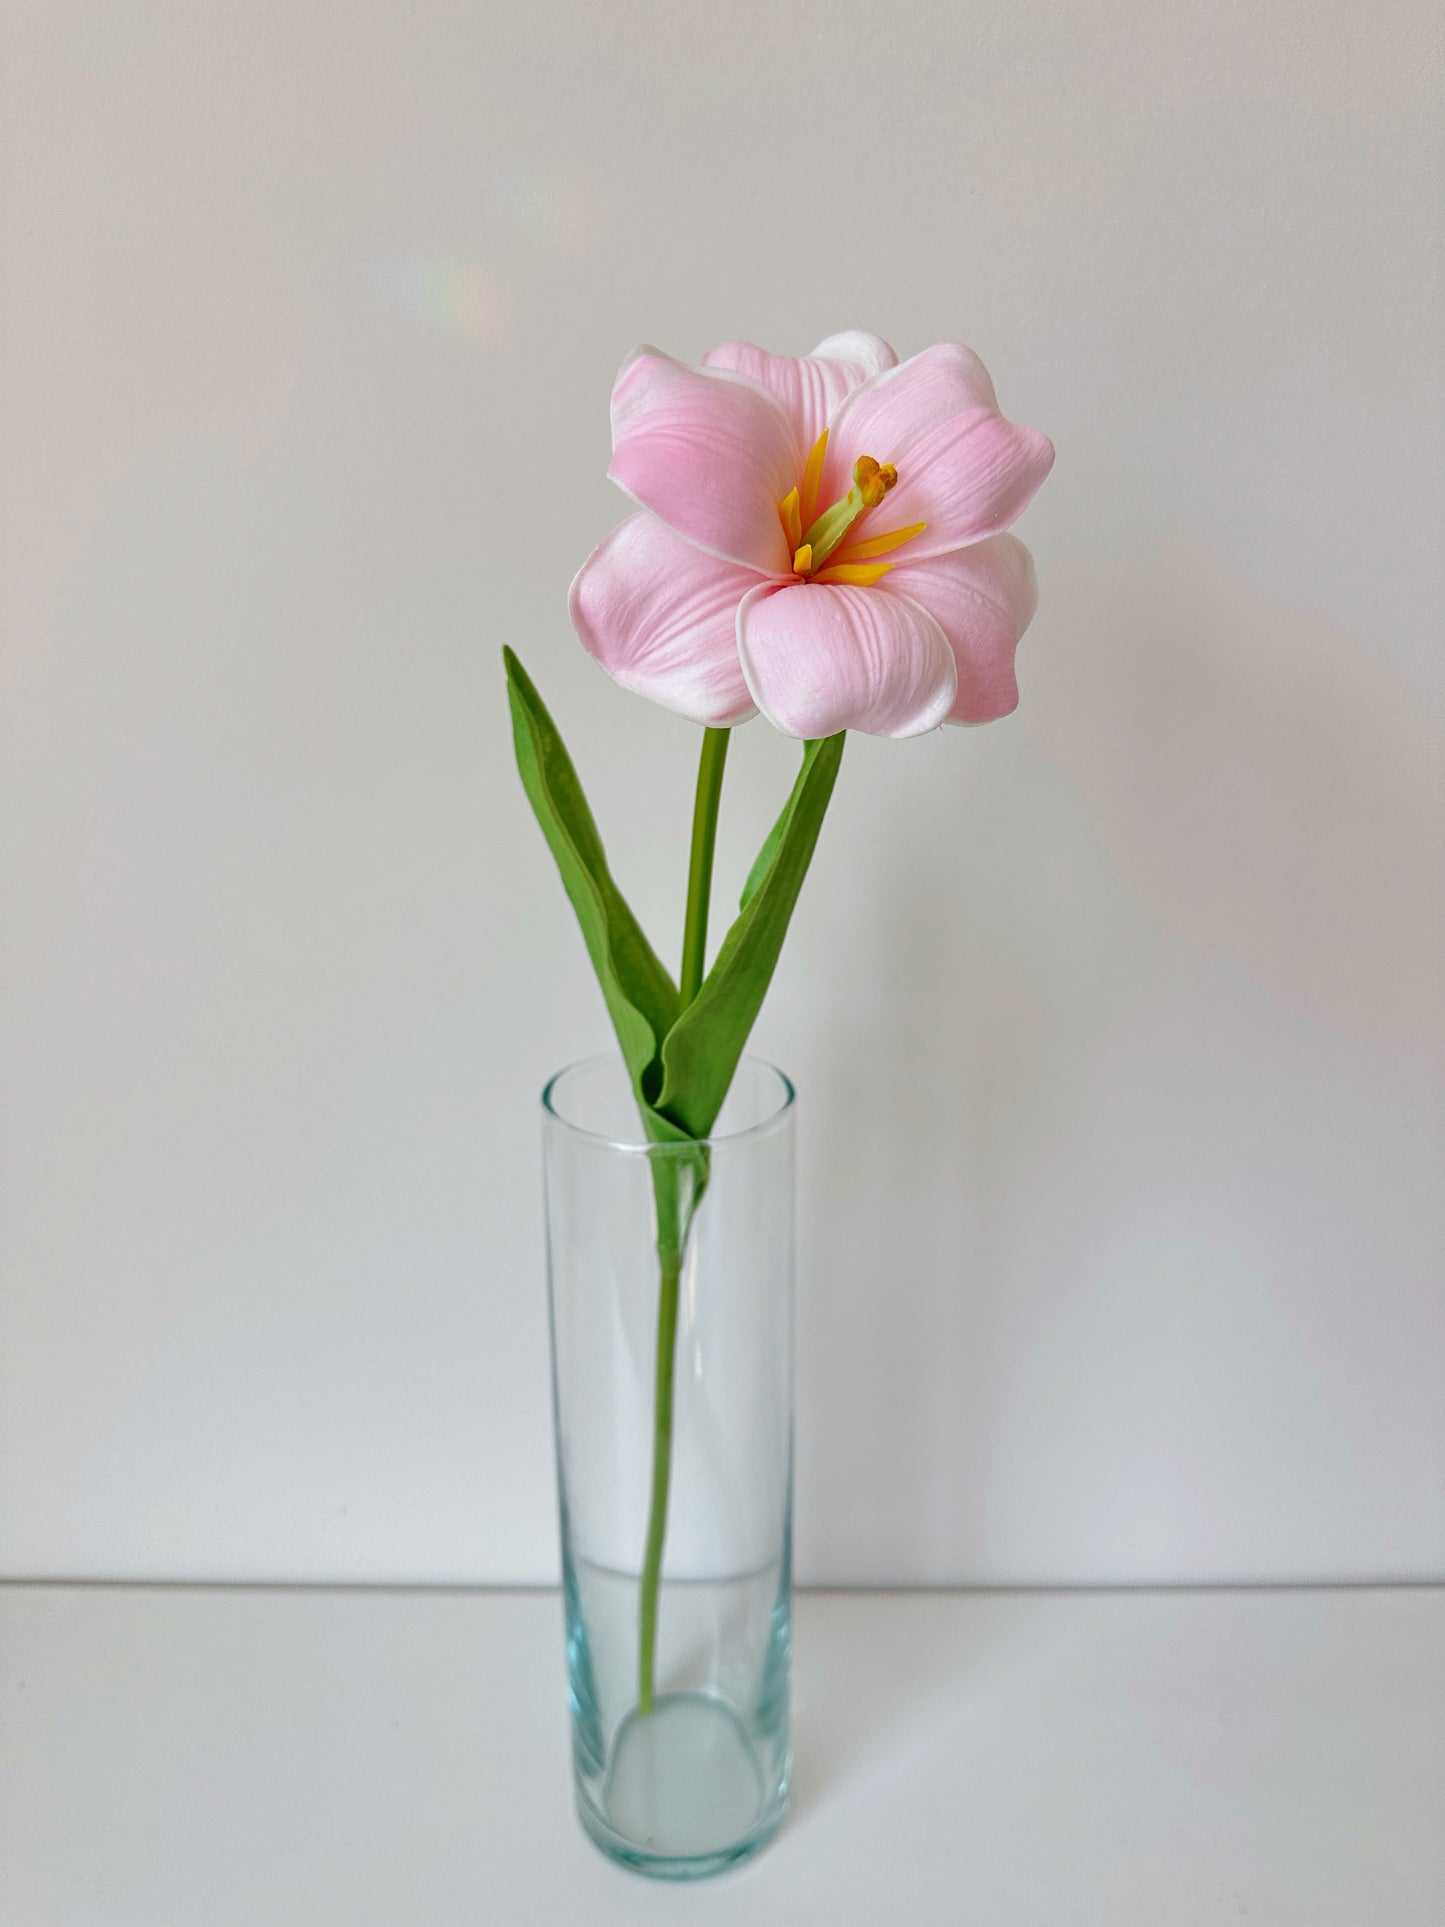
{"x":769,"y":850}
{"x":701,"y":1050}
{"x":641,"y":997}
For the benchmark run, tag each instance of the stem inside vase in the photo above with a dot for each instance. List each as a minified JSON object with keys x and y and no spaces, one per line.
{"x":671,"y":1273}
{"x":675,"y":1213}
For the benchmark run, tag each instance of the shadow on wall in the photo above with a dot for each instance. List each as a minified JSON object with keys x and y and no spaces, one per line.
{"x":1211,"y":821}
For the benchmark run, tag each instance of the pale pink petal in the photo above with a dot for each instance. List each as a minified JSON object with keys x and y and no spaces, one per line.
{"x":983,"y":598}
{"x":810,"y":387}
{"x":708,"y":451}
{"x":660,"y":616}
{"x":820,"y":657}
{"x":902,"y":404}
{"x":963,"y":470}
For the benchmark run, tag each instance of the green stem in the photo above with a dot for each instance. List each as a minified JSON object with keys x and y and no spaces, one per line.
{"x":672,"y":1236}
{"x":699,"y":874}
{"x":671,"y":1267}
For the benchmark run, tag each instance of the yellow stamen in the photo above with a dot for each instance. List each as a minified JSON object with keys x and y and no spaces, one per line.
{"x":792,"y":518}
{"x":812,"y":479}
{"x":880,"y":544}
{"x":862,"y":575}
{"x":803,"y":558}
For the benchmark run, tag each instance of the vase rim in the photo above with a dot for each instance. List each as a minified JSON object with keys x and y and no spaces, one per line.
{"x":776,"y":1118}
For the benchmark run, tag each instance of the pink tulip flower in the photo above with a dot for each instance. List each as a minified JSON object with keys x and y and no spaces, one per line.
{"x":820,"y":539}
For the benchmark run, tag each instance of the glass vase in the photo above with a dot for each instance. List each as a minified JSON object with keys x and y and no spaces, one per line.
{"x":671,"y":1286}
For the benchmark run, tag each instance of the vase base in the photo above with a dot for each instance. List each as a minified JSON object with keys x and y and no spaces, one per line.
{"x":684,"y":1795}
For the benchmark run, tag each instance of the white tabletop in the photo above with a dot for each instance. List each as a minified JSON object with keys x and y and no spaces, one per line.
{"x":193,"y":1757}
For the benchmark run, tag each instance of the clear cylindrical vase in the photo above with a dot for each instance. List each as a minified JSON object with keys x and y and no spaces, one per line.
{"x":671,"y":1282}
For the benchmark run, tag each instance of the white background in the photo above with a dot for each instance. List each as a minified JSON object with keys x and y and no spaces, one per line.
{"x":1116,"y":1023}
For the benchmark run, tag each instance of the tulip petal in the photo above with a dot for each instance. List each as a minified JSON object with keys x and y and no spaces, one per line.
{"x":709,"y":452}
{"x":810,"y":387}
{"x":983,"y":598}
{"x":963,"y":470}
{"x":660,"y":616}
{"x":820,"y":658}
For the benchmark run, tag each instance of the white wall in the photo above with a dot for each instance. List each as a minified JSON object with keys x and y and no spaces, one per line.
{"x":1116,"y":1023}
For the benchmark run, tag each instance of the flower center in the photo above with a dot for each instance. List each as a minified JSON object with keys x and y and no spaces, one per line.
{"x":818,"y":555}
{"x":871,"y":482}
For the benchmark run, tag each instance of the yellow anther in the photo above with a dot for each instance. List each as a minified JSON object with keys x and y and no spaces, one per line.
{"x":803,"y":558}
{"x":857,"y":575}
{"x":791,"y":517}
{"x":812,"y":478}
{"x":873,"y":545}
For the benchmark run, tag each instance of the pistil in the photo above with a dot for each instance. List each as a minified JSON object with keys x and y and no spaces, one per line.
{"x":815,"y":540}
{"x":871,"y":482}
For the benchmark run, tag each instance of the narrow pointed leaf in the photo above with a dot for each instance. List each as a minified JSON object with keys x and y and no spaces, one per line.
{"x":701,"y":1051}
{"x":769,"y":850}
{"x":640,"y":995}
